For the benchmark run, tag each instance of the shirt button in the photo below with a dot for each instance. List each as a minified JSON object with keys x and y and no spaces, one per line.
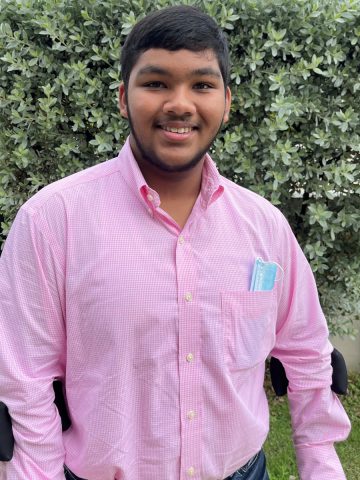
{"x":189,"y":357}
{"x":191,"y":415}
{"x":149,"y":197}
{"x":188,"y":296}
{"x":181,"y":240}
{"x":191,"y":471}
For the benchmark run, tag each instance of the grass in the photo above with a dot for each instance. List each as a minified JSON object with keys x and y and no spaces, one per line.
{"x":279,"y":449}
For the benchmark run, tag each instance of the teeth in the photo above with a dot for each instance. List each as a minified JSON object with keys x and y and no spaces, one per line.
{"x":177,"y":130}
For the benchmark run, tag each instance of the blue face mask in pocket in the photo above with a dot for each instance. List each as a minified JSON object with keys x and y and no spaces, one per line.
{"x":263,"y":275}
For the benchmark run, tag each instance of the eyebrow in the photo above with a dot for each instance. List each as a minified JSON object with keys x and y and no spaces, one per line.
{"x":205,"y":71}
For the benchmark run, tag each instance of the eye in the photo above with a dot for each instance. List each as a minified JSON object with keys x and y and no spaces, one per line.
{"x":154,"y":85}
{"x":203,"y":86}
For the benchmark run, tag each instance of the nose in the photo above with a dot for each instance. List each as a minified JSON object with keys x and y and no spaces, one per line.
{"x":179,"y":102}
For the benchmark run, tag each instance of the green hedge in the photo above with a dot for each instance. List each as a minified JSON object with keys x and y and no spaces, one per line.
{"x":294,"y":134}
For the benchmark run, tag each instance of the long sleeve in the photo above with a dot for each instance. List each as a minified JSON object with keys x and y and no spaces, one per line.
{"x":32,"y":349}
{"x":302,"y":345}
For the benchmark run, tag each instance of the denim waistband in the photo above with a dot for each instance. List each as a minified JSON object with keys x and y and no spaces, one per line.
{"x":245,"y":468}
{"x":242,"y":470}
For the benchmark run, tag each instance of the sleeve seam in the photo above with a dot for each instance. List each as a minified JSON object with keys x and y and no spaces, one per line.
{"x":59,"y":258}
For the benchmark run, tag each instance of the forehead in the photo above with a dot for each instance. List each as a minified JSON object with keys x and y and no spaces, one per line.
{"x":178,"y":62}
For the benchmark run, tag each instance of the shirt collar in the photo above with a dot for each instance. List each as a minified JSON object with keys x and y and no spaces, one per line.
{"x":211,"y":184}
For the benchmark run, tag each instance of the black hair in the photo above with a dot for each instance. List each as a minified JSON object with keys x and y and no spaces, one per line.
{"x":175,"y":28}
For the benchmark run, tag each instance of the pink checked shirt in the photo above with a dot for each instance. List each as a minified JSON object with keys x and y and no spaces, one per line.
{"x":154,"y":329}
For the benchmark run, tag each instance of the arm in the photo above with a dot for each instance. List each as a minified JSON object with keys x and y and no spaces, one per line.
{"x":32,"y":348}
{"x":302,"y":345}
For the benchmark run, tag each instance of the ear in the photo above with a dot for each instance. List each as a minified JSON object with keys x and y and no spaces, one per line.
{"x":122,"y":101}
{"x":227,"y":105}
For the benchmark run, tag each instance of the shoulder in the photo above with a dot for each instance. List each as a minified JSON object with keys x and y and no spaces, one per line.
{"x":66,"y":188}
{"x":252,"y":205}
{"x":52,"y":215}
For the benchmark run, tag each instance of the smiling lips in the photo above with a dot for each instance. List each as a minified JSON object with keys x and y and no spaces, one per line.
{"x":176,"y":133}
{"x":177,"y":130}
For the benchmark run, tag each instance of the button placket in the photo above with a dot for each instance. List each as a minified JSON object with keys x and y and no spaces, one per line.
{"x":189,"y":370}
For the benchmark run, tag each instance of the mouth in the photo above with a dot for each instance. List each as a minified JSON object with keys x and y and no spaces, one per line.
{"x":177,"y":130}
{"x":177,"y":135}
{"x":180,"y":128}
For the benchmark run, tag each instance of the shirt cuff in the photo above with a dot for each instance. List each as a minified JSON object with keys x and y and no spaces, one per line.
{"x":319,"y":462}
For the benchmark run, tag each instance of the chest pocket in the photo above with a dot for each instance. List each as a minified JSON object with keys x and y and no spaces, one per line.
{"x":249,"y":320}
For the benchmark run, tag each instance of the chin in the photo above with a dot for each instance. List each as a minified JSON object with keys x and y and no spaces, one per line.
{"x":178,"y":166}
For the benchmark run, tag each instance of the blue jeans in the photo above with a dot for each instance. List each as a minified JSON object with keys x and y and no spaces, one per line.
{"x":254,"y":469}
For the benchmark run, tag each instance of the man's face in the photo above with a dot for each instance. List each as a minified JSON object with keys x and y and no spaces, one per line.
{"x":176,"y":103}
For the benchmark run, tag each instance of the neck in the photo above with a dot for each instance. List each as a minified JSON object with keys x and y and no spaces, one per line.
{"x":178,"y":191}
{"x":173,"y":185}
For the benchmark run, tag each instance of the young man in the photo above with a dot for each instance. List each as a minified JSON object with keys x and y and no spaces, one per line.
{"x":135,"y":282}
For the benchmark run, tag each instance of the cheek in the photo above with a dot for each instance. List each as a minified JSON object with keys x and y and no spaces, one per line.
{"x":216,"y":118}
{"x":142,"y":111}
{"x":213,"y":110}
